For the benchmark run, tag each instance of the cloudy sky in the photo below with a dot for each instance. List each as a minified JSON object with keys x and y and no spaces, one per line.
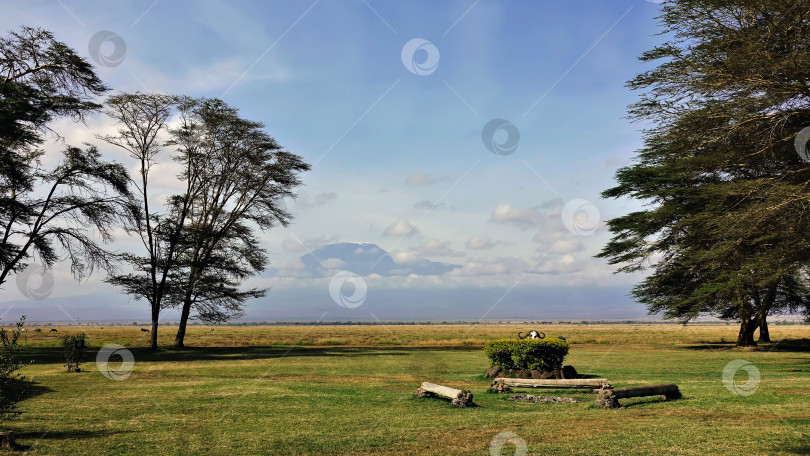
{"x":476,"y":133}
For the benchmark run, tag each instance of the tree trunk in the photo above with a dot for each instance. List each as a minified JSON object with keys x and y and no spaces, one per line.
{"x":745,"y":338}
{"x":181,"y":330}
{"x":764,"y":334}
{"x":153,"y":344}
{"x":186,"y":311}
{"x":762,"y":313}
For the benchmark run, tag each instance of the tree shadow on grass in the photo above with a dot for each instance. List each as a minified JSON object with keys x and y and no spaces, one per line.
{"x":37,"y":389}
{"x":54,"y":355}
{"x":35,"y":436}
{"x":789,"y":345}
{"x":648,"y":400}
{"x":785,"y":345}
{"x":801,"y":449}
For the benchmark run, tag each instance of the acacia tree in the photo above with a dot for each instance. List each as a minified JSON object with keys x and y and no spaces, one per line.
{"x":143,"y":134}
{"x":42,"y":79}
{"x":247,"y":173}
{"x":726,"y":229}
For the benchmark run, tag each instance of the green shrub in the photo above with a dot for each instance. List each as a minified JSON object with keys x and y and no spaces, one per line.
{"x":13,"y":386}
{"x":75,"y":347}
{"x":528,"y":354}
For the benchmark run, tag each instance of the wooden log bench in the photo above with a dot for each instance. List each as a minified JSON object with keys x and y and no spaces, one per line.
{"x":504,"y":384}
{"x":458,"y":398}
{"x":609,"y":397}
{"x":7,"y":440}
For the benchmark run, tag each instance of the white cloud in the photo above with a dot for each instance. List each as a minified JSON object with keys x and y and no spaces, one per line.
{"x":294,"y":246}
{"x":333,"y":263}
{"x":506,"y":213}
{"x":560,"y":265}
{"x":305,"y":201}
{"x":293,"y":268}
{"x":401,"y":257}
{"x":436,"y":248}
{"x":491,"y":266}
{"x":565,"y":246}
{"x":480,"y":243}
{"x":401,"y":227}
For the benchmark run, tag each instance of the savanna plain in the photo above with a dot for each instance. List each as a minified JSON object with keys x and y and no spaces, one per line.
{"x":349,"y":389}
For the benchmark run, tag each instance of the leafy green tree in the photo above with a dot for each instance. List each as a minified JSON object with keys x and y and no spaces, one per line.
{"x":75,"y":350}
{"x":142,"y":121}
{"x":247,"y":173}
{"x":42,"y":79}
{"x":726,"y":227}
{"x":200,"y":244}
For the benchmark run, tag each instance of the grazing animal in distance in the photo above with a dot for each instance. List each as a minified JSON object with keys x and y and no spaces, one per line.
{"x":37,"y":330}
{"x":25,"y":330}
{"x":532,"y":335}
{"x":144,"y":330}
{"x":54,"y":330}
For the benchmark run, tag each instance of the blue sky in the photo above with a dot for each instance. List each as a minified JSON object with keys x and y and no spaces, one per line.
{"x":398,"y":157}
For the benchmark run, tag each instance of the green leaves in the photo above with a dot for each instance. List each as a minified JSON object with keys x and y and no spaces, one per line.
{"x":726,"y":193}
{"x":528,"y":354}
{"x":13,"y":385}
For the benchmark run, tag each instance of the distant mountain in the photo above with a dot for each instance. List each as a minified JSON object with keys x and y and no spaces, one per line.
{"x":364,"y":258}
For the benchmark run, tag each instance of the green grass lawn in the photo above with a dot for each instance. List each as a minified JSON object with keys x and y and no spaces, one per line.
{"x":294,"y":399}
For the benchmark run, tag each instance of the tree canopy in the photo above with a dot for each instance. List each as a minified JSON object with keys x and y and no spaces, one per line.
{"x":726,"y":227}
{"x":200,"y":244}
{"x":44,"y":79}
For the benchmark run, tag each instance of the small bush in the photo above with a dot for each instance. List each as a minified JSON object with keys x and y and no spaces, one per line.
{"x":75,"y":347}
{"x":13,"y":386}
{"x":528,"y":354}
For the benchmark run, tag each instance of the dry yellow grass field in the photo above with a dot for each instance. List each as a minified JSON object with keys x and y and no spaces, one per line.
{"x":415,"y":335}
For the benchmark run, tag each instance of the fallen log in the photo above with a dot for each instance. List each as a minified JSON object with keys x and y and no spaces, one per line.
{"x":609,"y":397}
{"x":458,"y":398}
{"x":503,"y":384}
